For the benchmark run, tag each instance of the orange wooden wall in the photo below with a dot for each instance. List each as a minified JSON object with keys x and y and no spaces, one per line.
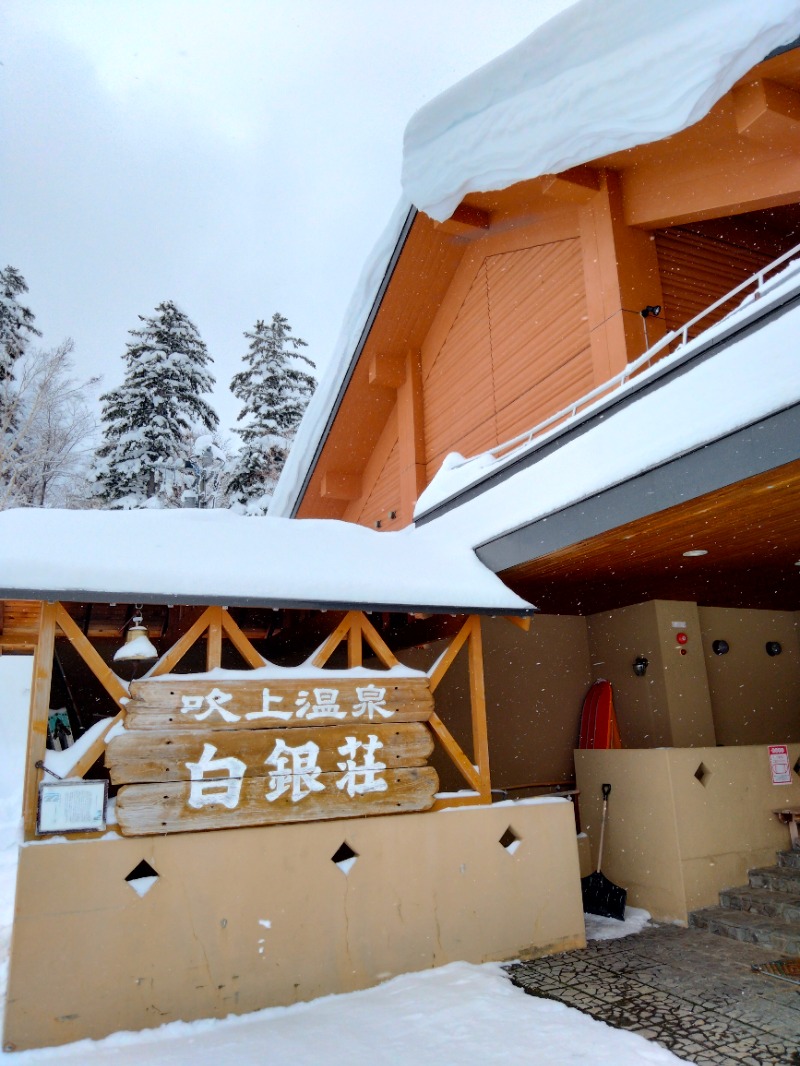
{"x":529,"y":297}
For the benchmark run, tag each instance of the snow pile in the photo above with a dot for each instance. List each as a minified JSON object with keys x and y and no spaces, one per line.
{"x":599,"y":928}
{"x":452,"y":1016}
{"x":595,"y":79}
{"x":197,"y":556}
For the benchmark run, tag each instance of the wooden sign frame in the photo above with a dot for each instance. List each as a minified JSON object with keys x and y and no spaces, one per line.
{"x":217,"y":625}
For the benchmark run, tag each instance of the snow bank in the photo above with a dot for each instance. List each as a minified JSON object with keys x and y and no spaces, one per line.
{"x":595,"y":79}
{"x":182,"y":556}
{"x":457,"y":1015}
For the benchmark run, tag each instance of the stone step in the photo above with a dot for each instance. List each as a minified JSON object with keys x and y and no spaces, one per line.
{"x":764,"y":901}
{"x":776,"y":878}
{"x":772,"y":933}
{"x":790,"y":858}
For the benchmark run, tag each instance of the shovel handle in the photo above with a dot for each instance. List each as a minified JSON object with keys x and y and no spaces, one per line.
{"x":606,"y":793}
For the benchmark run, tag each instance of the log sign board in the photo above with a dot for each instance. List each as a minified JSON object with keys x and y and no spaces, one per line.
{"x":205,"y":754}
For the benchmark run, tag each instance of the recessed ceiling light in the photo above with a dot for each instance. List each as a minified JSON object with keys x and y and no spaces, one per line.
{"x":694,"y":552}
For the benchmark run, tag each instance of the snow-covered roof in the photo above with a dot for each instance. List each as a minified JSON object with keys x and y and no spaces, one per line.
{"x":193,"y":556}
{"x":693,"y":401}
{"x":602,"y":76}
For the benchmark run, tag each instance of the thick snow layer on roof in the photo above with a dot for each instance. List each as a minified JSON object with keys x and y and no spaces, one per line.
{"x":756,"y":375}
{"x":199,"y":556}
{"x":598,"y":78}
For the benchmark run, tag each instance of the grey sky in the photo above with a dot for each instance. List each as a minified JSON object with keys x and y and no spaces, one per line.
{"x":238,"y":157}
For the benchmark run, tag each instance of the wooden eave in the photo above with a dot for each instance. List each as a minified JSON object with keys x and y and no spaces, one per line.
{"x":749,"y":530}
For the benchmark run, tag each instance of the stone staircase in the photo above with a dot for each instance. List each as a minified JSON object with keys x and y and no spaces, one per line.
{"x":764,"y":912}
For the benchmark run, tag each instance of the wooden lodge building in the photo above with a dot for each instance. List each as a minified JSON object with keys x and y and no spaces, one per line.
{"x":562,"y":438}
{"x":613,"y":348}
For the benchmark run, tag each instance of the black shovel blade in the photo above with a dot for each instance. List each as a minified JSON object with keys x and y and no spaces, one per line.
{"x":603,"y":897}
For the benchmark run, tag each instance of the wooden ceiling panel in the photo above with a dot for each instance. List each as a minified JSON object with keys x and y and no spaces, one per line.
{"x":750,"y":531}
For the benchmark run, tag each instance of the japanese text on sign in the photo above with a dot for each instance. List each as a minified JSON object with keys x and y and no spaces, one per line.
{"x":319,"y":703}
{"x":294,"y":771}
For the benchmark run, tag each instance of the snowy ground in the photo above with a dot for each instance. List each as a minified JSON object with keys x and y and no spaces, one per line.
{"x":458,"y":1015}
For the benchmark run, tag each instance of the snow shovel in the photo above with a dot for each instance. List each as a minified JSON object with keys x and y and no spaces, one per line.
{"x":601,"y":896}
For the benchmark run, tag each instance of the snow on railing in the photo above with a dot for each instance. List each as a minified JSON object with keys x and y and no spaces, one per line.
{"x":566,"y":413}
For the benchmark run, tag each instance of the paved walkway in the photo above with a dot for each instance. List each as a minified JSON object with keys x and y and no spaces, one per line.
{"x":691,"y":991}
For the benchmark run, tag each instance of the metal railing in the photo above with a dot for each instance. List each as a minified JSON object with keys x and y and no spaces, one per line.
{"x":569,"y":412}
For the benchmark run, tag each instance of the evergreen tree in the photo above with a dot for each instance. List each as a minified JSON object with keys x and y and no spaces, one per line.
{"x":274,"y":390}
{"x":16,"y":321}
{"x":149,"y":420}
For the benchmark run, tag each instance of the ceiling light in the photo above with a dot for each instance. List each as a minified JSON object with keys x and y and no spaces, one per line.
{"x":693,"y":553}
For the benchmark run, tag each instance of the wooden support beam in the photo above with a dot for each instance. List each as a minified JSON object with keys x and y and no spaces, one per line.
{"x":339,"y":485}
{"x":466,"y":221}
{"x":355,"y":648}
{"x":214,"y":639}
{"x":443,"y":664}
{"x":411,"y":436}
{"x":327,"y":649}
{"x":114,"y":686}
{"x":477,"y":699}
{"x":377,"y":643}
{"x":93,"y":753}
{"x":574,"y":186}
{"x":387,"y":370}
{"x":522,"y":623}
{"x":180,"y":647}
{"x":768,"y":112}
{"x":621,"y":276}
{"x":451,"y":746}
{"x":241,"y":643}
{"x":39,"y":714}
{"x":671,"y":195}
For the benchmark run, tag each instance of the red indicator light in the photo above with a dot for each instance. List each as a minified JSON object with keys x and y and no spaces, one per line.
{"x":681,"y":638}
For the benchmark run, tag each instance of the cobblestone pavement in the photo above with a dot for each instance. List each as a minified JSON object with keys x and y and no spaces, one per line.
{"x":691,"y":991}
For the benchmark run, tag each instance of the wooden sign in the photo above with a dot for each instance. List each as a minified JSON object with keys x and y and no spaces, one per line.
{"x":203,"y":754}
{"x":132,"y":757}
{"x":164,"y":703}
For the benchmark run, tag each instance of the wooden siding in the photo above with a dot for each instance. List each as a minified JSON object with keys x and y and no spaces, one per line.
{"x":518,"y":350}
{"x":384,"y":494}
{"x":697,"y":269}
{"x":19,"y":624}
{"x":540,"y":334}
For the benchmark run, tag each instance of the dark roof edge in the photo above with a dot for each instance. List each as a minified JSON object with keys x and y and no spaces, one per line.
{"x":362,"y":340}
{"x":637,"y":387}
{"x":184,"y":600}
{"x":783,"y":48}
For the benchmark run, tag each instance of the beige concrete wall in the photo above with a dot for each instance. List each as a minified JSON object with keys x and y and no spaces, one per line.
{"x":535,"y":686}
{"x":755,"y":698}
{"x":89,"y":956}
{"x":673,"y":841}
{"x":671,"y":704}
{"x":688,"y":697}
{"x":616,"y":638}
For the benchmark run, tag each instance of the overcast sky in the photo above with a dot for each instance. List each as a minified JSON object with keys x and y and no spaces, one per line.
{"x":239,"y":157}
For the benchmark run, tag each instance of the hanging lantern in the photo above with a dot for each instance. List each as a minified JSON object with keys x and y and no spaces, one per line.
{"x":137,"y":646}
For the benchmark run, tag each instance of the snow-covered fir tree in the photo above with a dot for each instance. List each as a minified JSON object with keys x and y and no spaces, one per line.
{"x":274,"y":390}
{"x":16,"y":321}
{"x":148,"y":422}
